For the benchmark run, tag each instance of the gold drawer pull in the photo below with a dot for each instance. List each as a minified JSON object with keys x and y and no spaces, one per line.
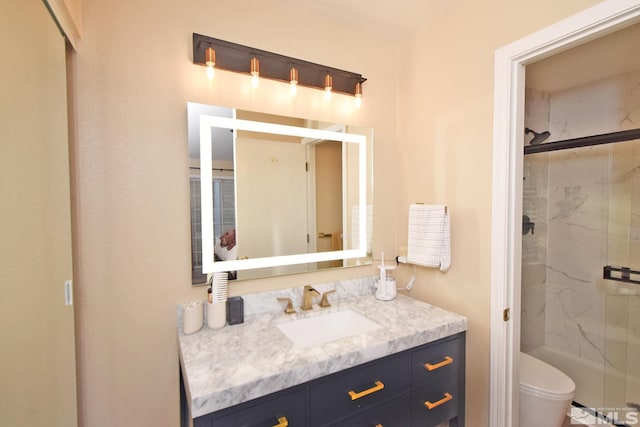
{"x":447,"y":361}
{"x":379,"y":425}
{"x":447,"y":397}
{"x":282,"y":422}
{"x":354,"y":396}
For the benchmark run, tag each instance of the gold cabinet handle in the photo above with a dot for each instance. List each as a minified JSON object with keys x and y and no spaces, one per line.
{"x":282,"y":422}
{"x":447,"y":397}
{"x":447,"y":361}
{"x":379,"y":425}
{"x":354,"y":396}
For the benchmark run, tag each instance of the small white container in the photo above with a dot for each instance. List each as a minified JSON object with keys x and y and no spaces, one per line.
{"x":193,"y":317}
{"x":216,"y":314}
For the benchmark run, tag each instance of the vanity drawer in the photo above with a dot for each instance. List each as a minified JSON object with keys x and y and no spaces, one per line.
{"x":393,"y":414}
{"x":436,"y":403}
{"x":358,"y":388}
{"x":437,"y":361}
{"x":266,"y":412}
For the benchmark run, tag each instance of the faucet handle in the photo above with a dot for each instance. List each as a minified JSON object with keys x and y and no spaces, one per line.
{"x":325,"y":301}
{"x":289,"y":309}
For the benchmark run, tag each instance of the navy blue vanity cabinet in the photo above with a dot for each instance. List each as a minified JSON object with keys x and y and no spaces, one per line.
{"x":419,"y":387}
{"x":437,"y":382}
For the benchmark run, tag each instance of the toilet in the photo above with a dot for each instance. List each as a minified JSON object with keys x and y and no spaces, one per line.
{"x":545,"y":393}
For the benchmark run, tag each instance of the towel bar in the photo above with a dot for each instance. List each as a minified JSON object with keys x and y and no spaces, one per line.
{"x":446,"y":208}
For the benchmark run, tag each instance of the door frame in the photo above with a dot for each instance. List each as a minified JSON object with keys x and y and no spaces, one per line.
{"x":508,"y":143}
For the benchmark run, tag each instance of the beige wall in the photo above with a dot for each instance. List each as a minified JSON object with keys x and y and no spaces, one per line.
{"x":132,"y":79}
{"x":445,"y":153}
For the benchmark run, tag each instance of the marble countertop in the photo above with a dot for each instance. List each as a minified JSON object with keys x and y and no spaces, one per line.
{"x":241,"y":362}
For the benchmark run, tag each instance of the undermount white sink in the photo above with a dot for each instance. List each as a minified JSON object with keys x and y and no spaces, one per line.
{"x":316,"y":330}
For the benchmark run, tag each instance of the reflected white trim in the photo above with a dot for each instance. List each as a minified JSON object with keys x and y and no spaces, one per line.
{"x":206,"y":142}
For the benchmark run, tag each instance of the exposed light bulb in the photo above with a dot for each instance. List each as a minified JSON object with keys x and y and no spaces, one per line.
{"x":255,"y":72}
{"x":293,"y":81}
{"x":358,"y":95}
{"x":328,"y":86}
{"x":210,"y":61}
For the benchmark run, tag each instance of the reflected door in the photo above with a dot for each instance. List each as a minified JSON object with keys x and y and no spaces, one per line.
{"x":271,"y":223}
{"x":328,"y":179}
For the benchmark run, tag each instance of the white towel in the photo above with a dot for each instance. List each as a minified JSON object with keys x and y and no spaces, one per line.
{"x":429,"y":236}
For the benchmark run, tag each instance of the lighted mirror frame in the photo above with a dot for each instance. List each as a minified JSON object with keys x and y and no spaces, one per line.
{"x":206,"y":142}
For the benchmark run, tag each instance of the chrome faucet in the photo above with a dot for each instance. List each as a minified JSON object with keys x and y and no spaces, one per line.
{"x":307,"y":294}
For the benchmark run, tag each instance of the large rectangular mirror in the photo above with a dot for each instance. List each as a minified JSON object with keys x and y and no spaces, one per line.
{"x":274,"y":195}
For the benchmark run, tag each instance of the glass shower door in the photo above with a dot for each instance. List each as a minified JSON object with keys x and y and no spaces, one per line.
{"x":622,"y":285}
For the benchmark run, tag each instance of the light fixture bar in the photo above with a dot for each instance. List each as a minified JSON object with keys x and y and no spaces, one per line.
{"x":235,"y":57}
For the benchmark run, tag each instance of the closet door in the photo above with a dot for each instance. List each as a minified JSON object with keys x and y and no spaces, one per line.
{"x":37,"y":358}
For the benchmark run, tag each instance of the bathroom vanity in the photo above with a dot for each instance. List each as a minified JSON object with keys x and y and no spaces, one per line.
{"x":407,"y":370}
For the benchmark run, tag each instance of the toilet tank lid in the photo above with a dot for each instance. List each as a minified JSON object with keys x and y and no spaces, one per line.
{"x":541,"y":376}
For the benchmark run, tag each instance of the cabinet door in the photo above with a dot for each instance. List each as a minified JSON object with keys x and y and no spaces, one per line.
{"x":355,"y":390}
{"x":37,"y":328}
{"x":436,"y":361}
{"x":436,"y":403}
{"x":285,"y":410}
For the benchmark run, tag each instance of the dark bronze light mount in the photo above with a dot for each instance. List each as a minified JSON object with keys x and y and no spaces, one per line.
{"x":224,"y":55}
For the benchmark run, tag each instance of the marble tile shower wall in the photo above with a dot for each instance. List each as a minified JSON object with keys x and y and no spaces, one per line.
{"x":534,"y":244}
{"x":577,"y":197}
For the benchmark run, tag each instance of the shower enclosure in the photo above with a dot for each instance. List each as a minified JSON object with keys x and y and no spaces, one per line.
{"x":581,"y":266}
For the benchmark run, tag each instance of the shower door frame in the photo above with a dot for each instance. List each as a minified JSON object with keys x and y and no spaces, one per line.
{"x":508,"y":147}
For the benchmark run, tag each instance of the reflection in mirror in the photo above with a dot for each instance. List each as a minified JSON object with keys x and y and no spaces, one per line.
{"x":274,"y":195}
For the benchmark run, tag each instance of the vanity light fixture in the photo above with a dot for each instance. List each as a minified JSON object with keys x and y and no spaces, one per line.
{"x":255,"y":71}
{"x":244,"y":59}
{"x":328,"y":85}
{"x":210,"y":61}
{"x":293,"y":80}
